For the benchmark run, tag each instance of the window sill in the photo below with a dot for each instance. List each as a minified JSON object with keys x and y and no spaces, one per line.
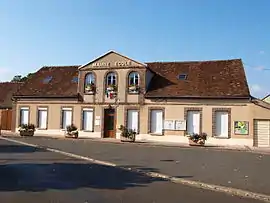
{"x":88,"y":131}
{"x":155,"y":134}
{"x":133,"y":93}
{"x":222,"y":138}
{"x":42,"y":128}
{"x":89,"y":93}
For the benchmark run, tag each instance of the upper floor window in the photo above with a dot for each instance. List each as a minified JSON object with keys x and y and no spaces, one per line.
{"x":89,"y":83}
{"x":111,"y":79}
{"x":111,"y":85}
{"x":133,"y":82}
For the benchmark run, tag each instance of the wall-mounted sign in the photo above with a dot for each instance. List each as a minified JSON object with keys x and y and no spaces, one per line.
{"x":97,"y":122}
{"x":169,"y":124}
{"x":180,"y":125}
{"x":108,"y":64}
{"x":241,"y":127}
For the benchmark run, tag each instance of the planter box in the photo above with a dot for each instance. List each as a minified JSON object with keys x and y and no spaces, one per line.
{"x":192,"y":143}
{"x":127,"y":139}
{"x":26,"y":133}
{"x":72,"y":135}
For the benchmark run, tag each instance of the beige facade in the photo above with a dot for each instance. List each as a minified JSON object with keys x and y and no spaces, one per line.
{"x":237,"y":110}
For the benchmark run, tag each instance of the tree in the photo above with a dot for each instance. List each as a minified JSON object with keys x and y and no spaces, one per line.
{"x":19,"y":78}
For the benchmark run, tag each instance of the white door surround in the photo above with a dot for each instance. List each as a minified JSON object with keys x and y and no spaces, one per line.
{"x":221,"y":124}
{"x":262,"y":133}
{"x":133,"y":119}
{"x":193,"y":121}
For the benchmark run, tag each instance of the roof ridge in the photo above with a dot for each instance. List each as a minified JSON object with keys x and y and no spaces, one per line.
{"x":195,"y":61}
{"x":60,"y":66}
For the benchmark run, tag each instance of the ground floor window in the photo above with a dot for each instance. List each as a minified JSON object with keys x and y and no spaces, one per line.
{"x":42,"y":118}
{"x":222,"y":124}
{"x":24,"y":115}
{"x":66,"y":117}
{"x":133,"y":120}
{"x":87,"y":119}
{"x":193,"y":122}
{"x":156,"y":122}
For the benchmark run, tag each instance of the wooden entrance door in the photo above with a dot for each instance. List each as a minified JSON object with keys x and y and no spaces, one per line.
{"x":109,"y":123}
{"x":6,"y":119}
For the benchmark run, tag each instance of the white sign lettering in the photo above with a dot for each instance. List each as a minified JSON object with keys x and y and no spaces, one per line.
{"x":98,"y":64}
{"x":117,"y":63}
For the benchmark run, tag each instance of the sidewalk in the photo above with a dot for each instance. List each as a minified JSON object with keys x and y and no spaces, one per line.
{"x":155,"y":143}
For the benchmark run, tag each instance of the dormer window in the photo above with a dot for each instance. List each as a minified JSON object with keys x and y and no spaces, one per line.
{"x":133,"y":82}
{"x":182,"y":77}
{"x":89,"y":83}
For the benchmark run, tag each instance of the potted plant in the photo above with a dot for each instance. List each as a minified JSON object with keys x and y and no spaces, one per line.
{"x":133,"y":88}
{"x":196,"y":139}
{"x":127,"y":135}
{"x":111,"y":88}
{"x":72,"y":131}
{"x":27,"y":129}
{"x":90,"y":88}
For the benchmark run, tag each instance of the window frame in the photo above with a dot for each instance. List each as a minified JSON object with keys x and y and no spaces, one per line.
{"x":38,"y":118}
{"x":113,"y":78}
{"x":87,"y":109}
{"x":127,"y":109}
{"x":150,"y":109}
{"x":63,"y":109}
{"x":20,"y":114}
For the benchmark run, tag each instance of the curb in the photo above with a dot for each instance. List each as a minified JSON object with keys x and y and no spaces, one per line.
{"x":196,"y":184}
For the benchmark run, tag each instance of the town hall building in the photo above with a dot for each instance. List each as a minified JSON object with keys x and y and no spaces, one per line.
{"x":161,"y":101}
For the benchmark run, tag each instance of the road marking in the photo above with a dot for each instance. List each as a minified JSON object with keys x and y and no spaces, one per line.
{"x":197,"y":184}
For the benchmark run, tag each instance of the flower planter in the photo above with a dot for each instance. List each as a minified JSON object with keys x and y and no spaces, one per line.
{"x":127,"y":139}
{"x":199,"y":143}
{"x":72,"y":134}
{"x":110,"y":88}
{"x":26,"y":133}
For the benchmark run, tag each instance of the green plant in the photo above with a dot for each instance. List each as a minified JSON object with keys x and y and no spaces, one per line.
{"x":198,"y":138}
{"x":127,"y":133}
{"x":71,"y":128}
{"x":27,"y":127}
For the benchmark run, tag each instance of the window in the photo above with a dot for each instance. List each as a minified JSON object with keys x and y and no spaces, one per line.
{"x":133,"y":82}
{"x":42,"y":118}
{"x":87,"y":119}
{"x":89,"y":79}
{"x":47,"y":79}
{"x":75,"y":79}
{"x":182,"y":76}
{"x":24,"y":115}
{"x":111,"y":79}
{"x":133,"y":78}
{"x":156,"y":122}
{"x":89,"y":83}
{"x":133,"y":120}
{"x":66,"y":117}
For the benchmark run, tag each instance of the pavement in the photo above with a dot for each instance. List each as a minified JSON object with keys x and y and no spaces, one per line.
{"x":29,"y":174}
{"x":230,"y":168}
{"x":265,"y":150}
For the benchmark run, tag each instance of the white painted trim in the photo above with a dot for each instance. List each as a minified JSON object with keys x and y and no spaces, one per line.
{"x":109,"y":52}
{"x":66,"y":109}
{"x":24,"y":108}
{"x":88,"y":109}
{"x":43,"y":108}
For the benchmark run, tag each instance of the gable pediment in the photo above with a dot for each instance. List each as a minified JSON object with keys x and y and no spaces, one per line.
{"x":111,"y":60}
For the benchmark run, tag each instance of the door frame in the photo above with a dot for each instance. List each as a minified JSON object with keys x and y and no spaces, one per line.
{"x":103,"y":121}
{"x":228,"y":110}
{"x":220,"y":113}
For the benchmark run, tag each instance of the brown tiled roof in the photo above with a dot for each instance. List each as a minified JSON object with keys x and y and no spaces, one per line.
{"x":7,"y":89}
{"x":222,"y":79}
{"x":60,"y":85}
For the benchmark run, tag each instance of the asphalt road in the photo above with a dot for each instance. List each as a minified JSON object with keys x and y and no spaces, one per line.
{"x":34,"y":175}
{"x":243,"y":170}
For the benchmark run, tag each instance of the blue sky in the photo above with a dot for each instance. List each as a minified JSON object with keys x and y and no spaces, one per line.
{"x":68,"y":32}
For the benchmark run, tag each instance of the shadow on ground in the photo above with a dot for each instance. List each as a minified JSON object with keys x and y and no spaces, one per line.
{"x":19,"y":149}
{"x":66,"y":176}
